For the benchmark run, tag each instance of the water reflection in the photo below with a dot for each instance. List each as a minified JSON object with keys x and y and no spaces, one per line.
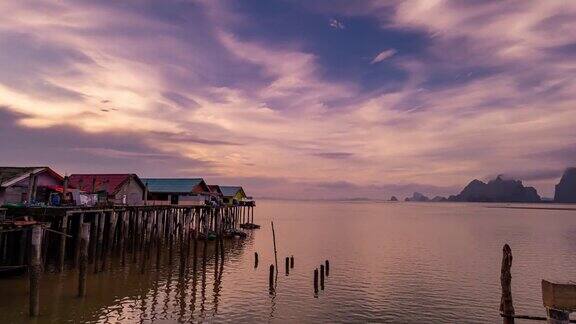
{"x":439,"y":261}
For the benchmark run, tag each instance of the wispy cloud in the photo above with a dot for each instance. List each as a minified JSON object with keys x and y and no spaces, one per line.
{"x":384,"y":55}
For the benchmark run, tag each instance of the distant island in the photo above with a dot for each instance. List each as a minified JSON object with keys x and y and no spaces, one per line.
{"x":507,"y":190}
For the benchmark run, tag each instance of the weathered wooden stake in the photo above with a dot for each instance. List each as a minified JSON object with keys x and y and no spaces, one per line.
{"x":83,"y":261}
{"x":322,"y":276}
{"x":316,"y":280}
{"x":292,"y":262}
{"x":274,"y":240}
{"x":255,"y":259}
{"x":287,"y":265}
{"x":327,"y":268}
{"x":35,"y":269}
{"x":506,"y":305}
{"x":271,"y":278}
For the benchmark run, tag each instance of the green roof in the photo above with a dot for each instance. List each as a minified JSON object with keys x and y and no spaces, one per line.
{"x":166,"y":185}
{"x":230,"y":191}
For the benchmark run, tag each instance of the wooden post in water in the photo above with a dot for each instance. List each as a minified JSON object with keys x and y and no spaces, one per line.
{"x":506,"y":304}
{"x":93,"y":238}
{"x":255,"y":259}
{"x":287,"y":265}
{"x":316,"y":281}
{"x":109,"y":240}
{"x":271,"y":278}
{"x":274,"y":240}
{"x":77,"y":239}
{"x":83,"y":261}
{"x":100,"y":243}
{"x":159,"y":239}
{"x":327,"y":268}
{"x":35,"y":269}
{"x":62,"y":254}
{"x":292,"y":262}
{"x":322,"y":276}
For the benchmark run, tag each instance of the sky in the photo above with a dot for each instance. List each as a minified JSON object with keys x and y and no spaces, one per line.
{"x":294,"y":99}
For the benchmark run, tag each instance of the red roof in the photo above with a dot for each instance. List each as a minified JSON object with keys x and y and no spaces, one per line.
{"x":111,"y":183}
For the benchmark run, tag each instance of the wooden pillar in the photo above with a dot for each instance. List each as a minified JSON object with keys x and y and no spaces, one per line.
{"x":93,"y":237}
{"x":100,"y":240}
{"x":62,"y":254}
{"x":506,"y":304}
{"x":22,"y":247}
{"x":83,"y":261}
{"x":109,"y":240}
{"x":35,"y":269}
{"x":77,"y":239}
{"x":159,"y":238}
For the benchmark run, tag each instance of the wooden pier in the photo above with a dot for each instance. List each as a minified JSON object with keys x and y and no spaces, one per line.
{"x":59,"y":238}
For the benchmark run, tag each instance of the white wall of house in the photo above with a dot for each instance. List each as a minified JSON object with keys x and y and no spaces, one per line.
{"x":133,"y":193}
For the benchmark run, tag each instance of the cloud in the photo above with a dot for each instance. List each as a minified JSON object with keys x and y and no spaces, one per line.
{"x":197,"y":89}
{"x":336,"y":24}
{"x":384,"y":55}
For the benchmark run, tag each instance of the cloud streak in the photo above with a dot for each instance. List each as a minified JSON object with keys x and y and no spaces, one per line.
{"x":384,"y":55}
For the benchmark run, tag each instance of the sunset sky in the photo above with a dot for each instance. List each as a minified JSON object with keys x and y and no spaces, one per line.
{"x":318,"y":99}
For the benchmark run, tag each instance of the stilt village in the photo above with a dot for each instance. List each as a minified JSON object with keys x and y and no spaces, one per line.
{"x":50,"y":222}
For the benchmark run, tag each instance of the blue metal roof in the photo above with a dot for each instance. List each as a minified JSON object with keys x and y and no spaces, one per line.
{"x":171,"y":185}
{"x":229,"y":191}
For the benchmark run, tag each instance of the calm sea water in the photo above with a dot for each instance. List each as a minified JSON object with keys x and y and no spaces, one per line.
{"x":390,"y":262}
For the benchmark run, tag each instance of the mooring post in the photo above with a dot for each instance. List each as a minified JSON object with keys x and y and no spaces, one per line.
{"x":35,"y":269}
{"x":255,"y":259}
{"x":292,"y":262}
{"x":316,"y":281}
{"x":322,"y":276}
{"x":327,"y":268}
{"x":287,"y":265}
{"x":83,"y":261}
{"x":506,"y":304}
{"x":62,"y":254}
{"x":274,"y":240}
{"x":271,"y":278}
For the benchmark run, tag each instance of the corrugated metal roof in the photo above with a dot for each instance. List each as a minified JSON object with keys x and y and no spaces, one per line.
{"x":111,"y":183}
{"x":10,"y":175}
{"x":172,"y":185}
{"x":230,"y":191}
